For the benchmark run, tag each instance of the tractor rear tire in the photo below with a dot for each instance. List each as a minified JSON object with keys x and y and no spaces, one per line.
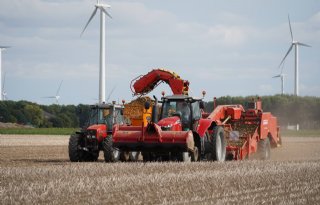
{"x":110,"y":154}
{"x":264,"y":149}
{"x":76,"y":154}
{"x":218,"y":145}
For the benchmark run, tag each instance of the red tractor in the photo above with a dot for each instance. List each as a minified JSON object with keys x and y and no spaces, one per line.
{"x":86,"y":144}
{"x":183,"y":132}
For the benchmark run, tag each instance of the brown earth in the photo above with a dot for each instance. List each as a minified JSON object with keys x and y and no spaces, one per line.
{"x":36,"y":170}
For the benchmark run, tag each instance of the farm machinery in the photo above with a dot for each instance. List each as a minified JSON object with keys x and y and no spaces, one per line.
{"x":179,"y":129}
{"x":86,"y":144}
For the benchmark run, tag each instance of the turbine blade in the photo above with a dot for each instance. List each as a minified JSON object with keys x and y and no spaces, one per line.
{"x":276,"y":76}
{"x":105,"y":11}
{"x":91,"y":17}
{"x":59,"y":88}
{"x":303,"y":44}
{"x":286,"y":54}
{"x":49,"y":97}
{"x":290,"y":28}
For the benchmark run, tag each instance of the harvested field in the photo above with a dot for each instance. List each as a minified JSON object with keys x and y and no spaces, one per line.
{"x":36,"y":170}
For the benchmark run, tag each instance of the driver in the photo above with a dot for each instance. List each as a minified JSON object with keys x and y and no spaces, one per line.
{"x":108,"y":118}
{"x":185,"y":114}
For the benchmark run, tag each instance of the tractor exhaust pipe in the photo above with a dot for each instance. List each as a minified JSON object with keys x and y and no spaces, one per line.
{"x":154,"y":115}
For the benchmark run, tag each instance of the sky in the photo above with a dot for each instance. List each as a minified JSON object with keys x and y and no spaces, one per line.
{"x":223,"y":47}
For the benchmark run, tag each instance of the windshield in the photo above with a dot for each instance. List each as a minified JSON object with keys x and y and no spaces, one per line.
{"x":105,"y":116}
{"x":176,"y":108}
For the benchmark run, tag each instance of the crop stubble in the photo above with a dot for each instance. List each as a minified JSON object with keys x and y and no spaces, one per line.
{"x":36,"y":170}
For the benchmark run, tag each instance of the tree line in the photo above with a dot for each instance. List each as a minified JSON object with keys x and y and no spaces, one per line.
{"x":290,"y":110}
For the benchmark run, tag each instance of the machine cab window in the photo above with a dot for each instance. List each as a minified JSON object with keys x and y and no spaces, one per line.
{"x":176,"y":108}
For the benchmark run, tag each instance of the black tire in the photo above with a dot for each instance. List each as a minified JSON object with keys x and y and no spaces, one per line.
{"x":75,"y":155}
{"x":218,"y":145}
{"x":264,"y":149}
{"x":110,"y":154}
{"x":78,"y":155}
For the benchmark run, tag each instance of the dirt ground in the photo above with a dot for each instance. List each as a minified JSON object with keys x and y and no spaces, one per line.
{"x":36,"y":170}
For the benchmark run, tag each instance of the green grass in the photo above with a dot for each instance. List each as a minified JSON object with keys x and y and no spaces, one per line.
{"x":38,"y":131}
{"x":300,"y":133}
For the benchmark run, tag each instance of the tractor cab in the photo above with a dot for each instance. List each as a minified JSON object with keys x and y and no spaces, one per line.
{"x":180,"y":112}
{"x":97,"y":135}
{"x":105,"y":114}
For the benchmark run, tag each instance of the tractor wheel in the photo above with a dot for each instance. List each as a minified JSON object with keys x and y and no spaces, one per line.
{"x":124,"y":156}
{"x":76,"y":154}
{"x":218,"y":145}
{"x":110,"y":154}
{"x":134,"y":156}
{"x":264,"y":149}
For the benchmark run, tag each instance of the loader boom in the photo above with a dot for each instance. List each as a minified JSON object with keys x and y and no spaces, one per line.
{"x":146,"y":83}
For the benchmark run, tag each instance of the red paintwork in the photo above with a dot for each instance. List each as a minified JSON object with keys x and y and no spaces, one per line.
{"x":204,"y":124}
{"x":151,"y":134}
{"x":148,"y":82}
{"x":101,"y":131}
{"x":173,"y":122}
{"x":258,"y":125}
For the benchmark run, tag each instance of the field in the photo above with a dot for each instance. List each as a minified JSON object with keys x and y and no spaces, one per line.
{"x":34,"y":169}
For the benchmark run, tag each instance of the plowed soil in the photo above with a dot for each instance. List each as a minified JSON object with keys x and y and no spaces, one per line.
{"x":36,"y":170}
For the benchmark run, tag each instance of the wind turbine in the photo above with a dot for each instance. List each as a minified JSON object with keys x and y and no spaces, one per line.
{"x":57,"y":96}
{"x":281,"y":76}
{"x":4,"y":93}
{"x":2,"y":48}
{"x":102,"y":72}
{"x":296,"y":45}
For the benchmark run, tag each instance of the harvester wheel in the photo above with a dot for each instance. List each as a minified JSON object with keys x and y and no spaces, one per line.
{"x":76,"y":154}
{"x":110,"y":154}
{"x":218,"y":145}
{"x":195,"y":154}
{"x":264,"y":149}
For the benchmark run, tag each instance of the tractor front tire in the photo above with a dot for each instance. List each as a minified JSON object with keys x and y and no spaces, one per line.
{"x":76,"y":154}
{"x":110,"y":154}
{"x":264,"y":149}
{"x":218,"y":145}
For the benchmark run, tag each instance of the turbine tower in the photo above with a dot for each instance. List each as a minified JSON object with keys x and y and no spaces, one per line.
{"x":2,"y":48}
{"x":281,"y":76}
{"x":296,"y":45}
{"x":4,"y":93}
{"x":102,"y":72}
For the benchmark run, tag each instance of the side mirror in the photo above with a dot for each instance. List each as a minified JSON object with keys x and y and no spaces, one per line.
{"x":146,"y":105}
{"x":201,"y":105}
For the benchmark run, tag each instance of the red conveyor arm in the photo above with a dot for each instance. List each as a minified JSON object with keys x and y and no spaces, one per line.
{"x":146,"y":83}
